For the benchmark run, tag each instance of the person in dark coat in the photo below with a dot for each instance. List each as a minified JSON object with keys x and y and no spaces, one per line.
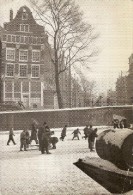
{"x":86,"y":129}
{"x":90,"y":130}
{"x":76,"y":134}
{"x":116,"y":123}
{"x":40,"y":132}
{"x":23,"y":140}
{"x":45,"y":140}
{"x":27,"y":138}
{"x":11,"y":134}
{"x":63,"y":133}
{"x":92,"y":137}
{"x":34,"y":132}
{"x":53,"y":141}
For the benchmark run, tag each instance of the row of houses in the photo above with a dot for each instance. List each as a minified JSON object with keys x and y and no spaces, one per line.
{"x":26,"y":70}
{"x":123,"y":93}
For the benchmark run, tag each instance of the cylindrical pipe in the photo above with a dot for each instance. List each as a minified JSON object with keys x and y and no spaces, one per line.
{"x":116,"y":146}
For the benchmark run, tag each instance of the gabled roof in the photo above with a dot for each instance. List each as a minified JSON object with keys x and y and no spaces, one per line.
{"x":12,"y":25}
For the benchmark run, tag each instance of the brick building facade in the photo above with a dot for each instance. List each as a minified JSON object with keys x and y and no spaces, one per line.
{"x":26,"y":66}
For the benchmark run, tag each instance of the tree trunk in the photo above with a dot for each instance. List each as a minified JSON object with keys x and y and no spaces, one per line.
{"x":57,"y":81}
{"x":58,"y":91}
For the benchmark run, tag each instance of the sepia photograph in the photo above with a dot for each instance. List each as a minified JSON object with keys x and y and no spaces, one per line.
{"x":66,"y":97}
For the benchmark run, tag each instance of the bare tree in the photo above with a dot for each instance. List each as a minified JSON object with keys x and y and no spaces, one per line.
{"x":88,"y":90}
{"x":70,"y":37}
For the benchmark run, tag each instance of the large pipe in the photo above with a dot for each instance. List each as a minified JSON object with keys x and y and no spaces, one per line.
{"x":116,"y":146}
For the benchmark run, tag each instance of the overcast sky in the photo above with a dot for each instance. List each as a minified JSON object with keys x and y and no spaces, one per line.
{"x":113,"y":20}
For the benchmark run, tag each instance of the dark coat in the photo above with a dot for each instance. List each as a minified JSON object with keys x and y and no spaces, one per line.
{"x":92,"y":136}
{"x":33,"y":132}
{"x":63,"y":133}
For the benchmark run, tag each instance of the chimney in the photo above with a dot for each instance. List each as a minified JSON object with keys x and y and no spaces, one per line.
{"x":11,"y":15}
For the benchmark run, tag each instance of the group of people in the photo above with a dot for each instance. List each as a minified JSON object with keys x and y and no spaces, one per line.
{"x":40,"y":134}
{"x":89,"y":133}
{"x":120,"y":123}
{"x":42,"y":137}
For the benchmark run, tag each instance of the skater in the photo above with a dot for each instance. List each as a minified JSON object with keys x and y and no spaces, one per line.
{"x":45,"y":141}
{"x":27,"y":138}
{"x":34,"y":132}
{"x":76,"y":134}
{"x":40,"y":132}
{"x":23,"y":140}
{"x":92,"y":138}
{"x":90,"y":130}
{"x":116,"y":123}
{"x":63,"y":133}
{"x":11,"y":134}
{"x":86,"y":129}
{"x":53,"y":141}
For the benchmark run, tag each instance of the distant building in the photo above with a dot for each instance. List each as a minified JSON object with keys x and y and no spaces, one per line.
{"x":124,"y":86}
{"x":111,"y":98}
{"x":25,"y":62}
{"x":121,"y":90}
{"x":130,"y":81}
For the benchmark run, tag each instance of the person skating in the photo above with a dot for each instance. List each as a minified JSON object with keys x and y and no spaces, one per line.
{"x":63,"y":133}
{"x":86,"y":129}
{"x":40,"y":132}
{"x":27,"y":138}
{"x":45,"y":141}
{"x":76,"y":134}
{"x":11,"y":134}
{"x":34,"y":132}
{"x":92,"y":138}
{"x":90,"y":130}
{"x":23,"y":141}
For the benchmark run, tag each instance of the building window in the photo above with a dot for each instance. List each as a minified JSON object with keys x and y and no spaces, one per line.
{"x":10,"y":54}
{"x":35,"y":56}
{"x":26,"y":39}
{"x":10,"y":70}
{"x":38,"y":40}
{"x":35,"y":91}
{"x":34,"y":40}
{"x":25,"y":87}
{"x":23,"y":55}
{"x":4,"y":37}
{"x":9,"y":38}
{"x":22,"y":39}
{"x":24,"y":16}
{"x":24,"y":27}
{"x":13,"y":38}
{"x":17,"y":38}
{"x":35,"y":71}
{"x":23,"y":70}
{"x":8,"y":91}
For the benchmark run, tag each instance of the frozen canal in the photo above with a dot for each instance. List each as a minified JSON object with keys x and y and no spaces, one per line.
{"x":31,"y":173}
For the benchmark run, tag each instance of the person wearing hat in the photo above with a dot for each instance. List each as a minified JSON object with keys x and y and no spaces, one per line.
{"x":23,"y":140}
{"x":40,"y":132}
{"x":45,"y":140}
{"x":34,"y":131}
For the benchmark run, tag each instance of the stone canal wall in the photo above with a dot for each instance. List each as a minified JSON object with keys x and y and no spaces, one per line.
{"x":58,"y":118}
